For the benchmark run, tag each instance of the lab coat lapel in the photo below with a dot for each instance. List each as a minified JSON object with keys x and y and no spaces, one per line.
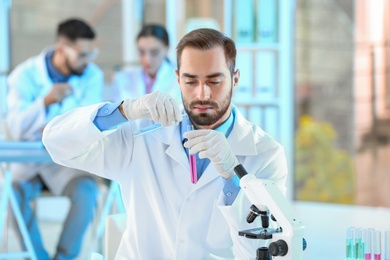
{"x":46,"y":83}
{"x":43,"y":76}
{"x":241,"y":138}
{"x":175,"y":150}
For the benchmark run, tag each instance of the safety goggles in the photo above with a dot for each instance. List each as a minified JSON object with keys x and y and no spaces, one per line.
{"x":90,"y":55}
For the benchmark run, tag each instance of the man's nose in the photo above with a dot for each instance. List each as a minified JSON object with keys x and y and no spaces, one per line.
{"x":204,"y":92}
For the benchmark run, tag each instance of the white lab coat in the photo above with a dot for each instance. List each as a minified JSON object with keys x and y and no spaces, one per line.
{"x":26,"y":116}
{"x":168,"y":216}
{"x":131,"y":84}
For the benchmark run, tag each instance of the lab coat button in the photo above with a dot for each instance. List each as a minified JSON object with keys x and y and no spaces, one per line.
{"x":228,"y":194}
{"x":106,"y":112}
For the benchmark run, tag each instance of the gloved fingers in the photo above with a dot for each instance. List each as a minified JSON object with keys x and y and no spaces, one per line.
{"x":164,"y":109}
{"x":195,"y":137}
{"x":161,"y":111}
{"x":151,"y":104}
{"x":170,"y":111}
{"x":213,"y":149}
{"x":178,"y":117}
{"x":207,"y":146}
{"x":197,"y":133}
{"x":196,"y":148}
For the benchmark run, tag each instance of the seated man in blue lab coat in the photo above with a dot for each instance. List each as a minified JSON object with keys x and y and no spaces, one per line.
{"x":172,"y":214}
{"x":59,"y":79}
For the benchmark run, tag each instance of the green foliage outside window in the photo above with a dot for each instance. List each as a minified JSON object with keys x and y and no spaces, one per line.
{"x":323,"y":173}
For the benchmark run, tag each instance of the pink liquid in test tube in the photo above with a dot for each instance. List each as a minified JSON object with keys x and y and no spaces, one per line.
{"x":367,"y":238}
{"x":377,"y":245}
{"x":194,"y":176}
{"x":192,"y":158}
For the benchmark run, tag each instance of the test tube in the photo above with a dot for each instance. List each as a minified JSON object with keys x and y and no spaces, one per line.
{"x":387,"y":245}
{"x":377,"y":245}
{"x":367,"y":244}
{"x":192,"y":159}
{"x":349,"y":244}
{"x":359,"y":253}
{"x":150,"y":128}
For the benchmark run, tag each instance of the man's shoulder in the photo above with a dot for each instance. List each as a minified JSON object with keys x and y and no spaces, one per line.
{"x":260,"y":137}
{"x":25,"y":68}
{"x":94,"y":68}
{"x":128,"y":74}
{"x":91,"y":73}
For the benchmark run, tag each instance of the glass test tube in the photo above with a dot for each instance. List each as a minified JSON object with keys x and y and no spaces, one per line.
{"x":377,"y":245}
{"x":387,"y":245}
{"x":359,"y":253}
{"x":367,"y":236}
{"x":149,"y":129}
{"x":192,"y":159}
{"x":349,"y":244}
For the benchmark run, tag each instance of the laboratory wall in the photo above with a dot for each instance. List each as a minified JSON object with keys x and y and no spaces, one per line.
{"x":33,"y":26}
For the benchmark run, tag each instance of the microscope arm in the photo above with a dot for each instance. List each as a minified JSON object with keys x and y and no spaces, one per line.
{"x":265,"y":193}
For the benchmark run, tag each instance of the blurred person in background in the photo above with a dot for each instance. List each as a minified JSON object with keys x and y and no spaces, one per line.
{"x":59,"y":79}
{"x":156,"y":71}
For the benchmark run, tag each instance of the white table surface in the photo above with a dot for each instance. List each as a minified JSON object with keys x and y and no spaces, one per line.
{"x":326,"y":225}
{"x":23,"y":152}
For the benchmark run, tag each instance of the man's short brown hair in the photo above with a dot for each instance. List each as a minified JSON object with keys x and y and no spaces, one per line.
{"x":205,"y":39}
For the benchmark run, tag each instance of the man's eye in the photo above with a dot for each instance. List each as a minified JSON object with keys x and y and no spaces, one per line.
{"x":215,"y":82}
{"x":190,"y":83}
{"x":154,"y":53}
{"x":83,"y":55}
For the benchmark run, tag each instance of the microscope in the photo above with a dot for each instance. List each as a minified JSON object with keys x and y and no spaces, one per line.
{"x":287,"y":242}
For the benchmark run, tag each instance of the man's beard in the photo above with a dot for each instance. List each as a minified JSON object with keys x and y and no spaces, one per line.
{"x":205,"y":119}
{"x":77,"y":72}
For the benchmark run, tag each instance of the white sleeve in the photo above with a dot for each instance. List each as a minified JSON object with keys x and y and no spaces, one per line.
{"x":74,"y":141}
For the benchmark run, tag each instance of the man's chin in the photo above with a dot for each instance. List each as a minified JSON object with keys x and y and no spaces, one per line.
{"x":203,"y":119}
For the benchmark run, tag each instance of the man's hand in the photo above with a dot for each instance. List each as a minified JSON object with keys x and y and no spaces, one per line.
{"x":214,"y":146}
{"x":57,"y":93}
{"x":155,"y":106}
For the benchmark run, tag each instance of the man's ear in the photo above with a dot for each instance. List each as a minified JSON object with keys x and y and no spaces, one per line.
{"x":236,"y":77}
{"x":60,"y":47}
{"x":177,"y":76}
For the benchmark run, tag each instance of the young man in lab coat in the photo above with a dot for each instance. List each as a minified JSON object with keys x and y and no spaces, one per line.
{"x":59,"y":79}
{"x":169,"y":216}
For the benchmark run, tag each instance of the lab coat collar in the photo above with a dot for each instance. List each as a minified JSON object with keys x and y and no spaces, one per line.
{"x":43,"y":75}
{"x":242,"y":137}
